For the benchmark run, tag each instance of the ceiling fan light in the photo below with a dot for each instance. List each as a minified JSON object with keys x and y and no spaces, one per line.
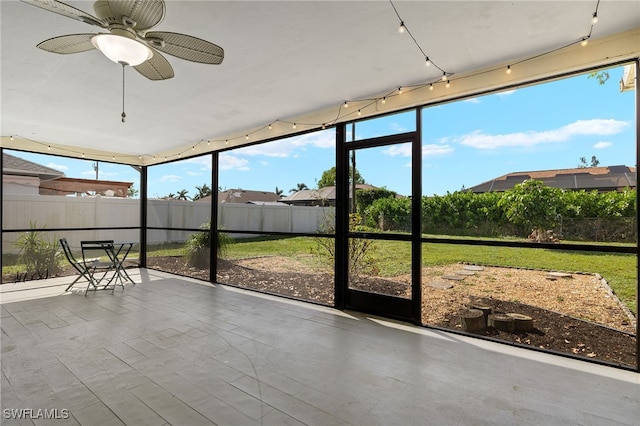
{"x":121,"y":49}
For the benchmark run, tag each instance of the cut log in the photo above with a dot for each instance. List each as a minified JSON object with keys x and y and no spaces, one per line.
{"x":486,"y":310}
{"x":473,"y":321}
{"x":522,"y":322}
{"x":502,"y":322}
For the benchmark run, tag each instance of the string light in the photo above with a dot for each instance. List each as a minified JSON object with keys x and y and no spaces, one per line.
{"x":428,"y":62}
{"x":402,"y":28}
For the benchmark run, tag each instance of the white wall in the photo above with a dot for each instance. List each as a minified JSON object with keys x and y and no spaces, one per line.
{"x":48,"y":211}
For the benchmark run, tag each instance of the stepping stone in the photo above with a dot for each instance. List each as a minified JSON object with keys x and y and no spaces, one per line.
{"x":559,"y":275}
{"x":473,"y":268}
{"x":465,"y":273}
{"x":440,"y":284}
{"x":453,"y":277}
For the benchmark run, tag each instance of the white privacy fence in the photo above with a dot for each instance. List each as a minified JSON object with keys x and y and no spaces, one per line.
{"x":55,"y":212}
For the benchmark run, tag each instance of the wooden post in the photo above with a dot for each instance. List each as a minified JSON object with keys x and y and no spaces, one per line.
{"x":502,"y":322}
{"x":473,"y":320}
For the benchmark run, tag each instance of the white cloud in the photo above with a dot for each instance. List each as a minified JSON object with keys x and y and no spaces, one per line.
{"x":481,"y":140}
{"x":506,"y":93}
{"x":472,"y":101}
{"x":602,"y":145}
{"x":170,"y":178}
{"x":290,"y":147}
{"x":229,"y":162}
{"x":430,"y":150}
{"x":192,"y":173}
{"x":58,"y":167}
{"x":204,"y":161}
{"x":403,"y":150}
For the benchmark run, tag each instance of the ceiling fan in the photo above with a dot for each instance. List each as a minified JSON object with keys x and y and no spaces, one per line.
{"x":128,"y":40}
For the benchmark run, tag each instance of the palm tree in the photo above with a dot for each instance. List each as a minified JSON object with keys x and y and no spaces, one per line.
{"x":300,"y":187}
{"x":279,"y":192}
{"x":182,"y":194}
{"x":203,"y":191}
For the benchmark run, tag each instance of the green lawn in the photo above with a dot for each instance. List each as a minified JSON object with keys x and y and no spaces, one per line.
{"x":394,"y":257}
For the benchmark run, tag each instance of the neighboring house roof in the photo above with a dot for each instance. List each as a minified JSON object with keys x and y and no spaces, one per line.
{"x":325,"y":193}
{"x":243,"y":196}
{"x":71,"y":186}
{"x":12,"y":165}
{"x":610,"y":178}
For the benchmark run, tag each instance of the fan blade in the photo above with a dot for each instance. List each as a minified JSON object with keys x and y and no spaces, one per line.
{"x":156,"y":68}
{"x":146,"y":13}
{"x":65,"y":10}
{"x":186,"y":47}
{"x":72,"y":43}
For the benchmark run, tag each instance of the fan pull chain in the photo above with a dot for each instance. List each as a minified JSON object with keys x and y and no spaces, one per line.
{"x":123,"y":114}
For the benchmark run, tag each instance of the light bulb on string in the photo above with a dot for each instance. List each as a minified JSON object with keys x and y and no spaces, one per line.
{"x":11,"y":137}
{"x":430,"y":86}
{"x":359,"y":112}
{"x":402,"y":28}
{"x":594,"y":18}
{"x":399,"y":90}
{"x":346,"y":104}
{"x":448,"y":84}
{"x":384,"y":100}
{"x":427,"y":62}
{"x":444,"y":76}
{"x":508,"y":69}
{"x":584,"y":41}
{"x":270,"y":126}
{"x":294,"y":126}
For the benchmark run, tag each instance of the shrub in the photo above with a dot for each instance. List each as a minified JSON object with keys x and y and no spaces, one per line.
{"x":198,"y":246}
{"x":40,"y":257}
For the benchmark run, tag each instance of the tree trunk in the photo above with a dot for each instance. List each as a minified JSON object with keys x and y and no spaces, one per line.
{"x":473,"y":321}
{"x":522,"y":322}
{"x":486,"y":310}
{"x":502,"y":322}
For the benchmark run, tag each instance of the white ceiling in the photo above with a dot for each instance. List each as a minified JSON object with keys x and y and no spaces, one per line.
{"x":284,"y":60}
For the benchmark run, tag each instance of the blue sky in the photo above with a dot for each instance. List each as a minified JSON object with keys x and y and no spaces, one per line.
{"x":465,"y":143}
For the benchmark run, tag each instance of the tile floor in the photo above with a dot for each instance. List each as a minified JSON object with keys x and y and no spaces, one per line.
{"x":177,"y":351}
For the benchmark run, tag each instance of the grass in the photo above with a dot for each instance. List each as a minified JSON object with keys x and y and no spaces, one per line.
{"x":393,"y":258}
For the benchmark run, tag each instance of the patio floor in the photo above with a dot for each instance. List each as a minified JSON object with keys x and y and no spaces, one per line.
{"x":172,"y":350}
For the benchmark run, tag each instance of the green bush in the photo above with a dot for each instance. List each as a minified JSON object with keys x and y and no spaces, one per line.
{"x":198,"y":246}
{"x":40,"y":257}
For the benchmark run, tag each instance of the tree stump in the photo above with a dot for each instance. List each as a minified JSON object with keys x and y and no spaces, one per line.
{"x":522,"y":322}
{"x":473,"y":320}
{"x":486,"y":310}
{"x":502,"y":322}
